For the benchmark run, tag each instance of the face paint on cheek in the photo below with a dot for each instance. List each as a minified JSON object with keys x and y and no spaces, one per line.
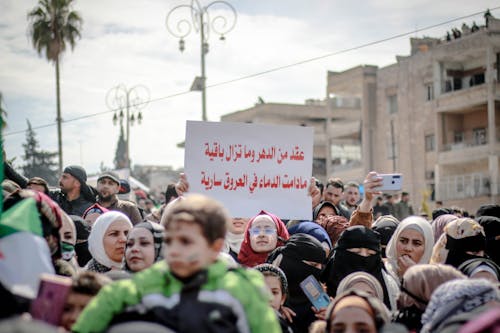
{"x":193,"y":258}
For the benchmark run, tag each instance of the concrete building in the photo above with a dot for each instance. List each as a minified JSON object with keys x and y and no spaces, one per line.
{"x":351,"y":103}
{"x":433,"y":116}
{"x":438,"y":118}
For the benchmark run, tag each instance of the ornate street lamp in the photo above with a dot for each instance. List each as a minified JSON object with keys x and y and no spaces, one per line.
{"x":199,"y":18}
{"x":132,"y":100}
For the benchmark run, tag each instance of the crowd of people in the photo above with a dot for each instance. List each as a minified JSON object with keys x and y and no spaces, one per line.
{"x":80,"y":259}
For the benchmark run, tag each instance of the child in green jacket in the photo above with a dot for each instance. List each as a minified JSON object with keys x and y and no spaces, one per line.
{"x":191,"y":291}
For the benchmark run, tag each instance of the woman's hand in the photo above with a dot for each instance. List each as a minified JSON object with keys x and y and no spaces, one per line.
{"x":314,"y":192}
{"x":182,"y":186}
{"x":404,"y":262}
{"x":371,"y":182}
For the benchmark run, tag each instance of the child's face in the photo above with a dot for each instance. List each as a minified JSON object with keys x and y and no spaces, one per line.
{"x":263,"y":234}
{"x":238,"y":225}
{"x":75,"y":303}
{"x":187,"y":251}
{"x":274,"y":285}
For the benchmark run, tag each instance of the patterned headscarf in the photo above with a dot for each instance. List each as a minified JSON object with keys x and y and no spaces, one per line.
{"x":334,"y":227}
{"x":455,"y":297}
{"x":157,"y":230}
{"x":461,"y":235}
{"x":276,"y":271}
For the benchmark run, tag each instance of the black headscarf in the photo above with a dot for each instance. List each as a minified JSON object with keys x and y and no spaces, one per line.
{"x":491,"y":226}
{"x":440,"y":211}
{"x":344,"y":262}
{"x":386,"y":226}
{"x":298,"y":248}
{"x":488,"y":210}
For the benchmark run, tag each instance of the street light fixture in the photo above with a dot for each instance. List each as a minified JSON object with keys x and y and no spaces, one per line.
{"x":203,"y":24}
{"x":132,"y":100}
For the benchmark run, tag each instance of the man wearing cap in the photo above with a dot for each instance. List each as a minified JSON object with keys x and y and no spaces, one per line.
{"x":74,"y":196}
{"x":108,"y":186}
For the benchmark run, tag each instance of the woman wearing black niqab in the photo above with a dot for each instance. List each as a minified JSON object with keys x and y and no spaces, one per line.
{"x":301,"y":256}
{"x":358,"y":249}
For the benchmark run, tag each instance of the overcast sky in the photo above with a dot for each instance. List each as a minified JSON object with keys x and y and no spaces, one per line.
{"x":126,"y":42}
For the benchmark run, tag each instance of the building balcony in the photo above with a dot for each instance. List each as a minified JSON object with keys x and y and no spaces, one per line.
{"x":348,"y":108}
{"x":468,"y":150}
{"x":464,"y":99}
{"x":463,"y":152}
{"x":463,"y":186}
{"x":345,"y":129}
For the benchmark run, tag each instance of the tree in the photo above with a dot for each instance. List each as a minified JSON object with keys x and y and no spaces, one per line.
{"x":3,"y":112}
{"x":52,"y":25}
{"x":39,"y":163}
{"x":121,"y":151}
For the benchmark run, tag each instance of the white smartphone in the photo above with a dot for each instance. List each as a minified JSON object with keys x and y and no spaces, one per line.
{"x":391,"y":182}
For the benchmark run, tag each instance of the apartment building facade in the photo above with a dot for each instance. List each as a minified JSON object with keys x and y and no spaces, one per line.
{"x":433,"y":116}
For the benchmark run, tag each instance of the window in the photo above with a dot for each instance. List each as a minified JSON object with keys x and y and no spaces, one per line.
{"x":343,"y":154}
{"x":458,"y":137}
{"x":392,"y":104}
{"x":429,"y":88}
{"x":479,"y":135}
{"x":457,"y":83}
{"x":430,"y":142}
{"x":476,"y":79}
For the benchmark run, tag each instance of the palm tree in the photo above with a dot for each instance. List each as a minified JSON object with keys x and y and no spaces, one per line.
{"x":3,"y":113}
{"x":52,"y":25}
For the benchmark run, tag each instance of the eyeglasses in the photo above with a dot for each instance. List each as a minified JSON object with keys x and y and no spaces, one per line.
{"x":258,"y":231}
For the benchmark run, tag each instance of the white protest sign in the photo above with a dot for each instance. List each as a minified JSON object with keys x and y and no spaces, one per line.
{"x":251,"y":167}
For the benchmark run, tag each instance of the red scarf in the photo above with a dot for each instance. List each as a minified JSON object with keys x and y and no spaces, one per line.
{"x":247,"y":256}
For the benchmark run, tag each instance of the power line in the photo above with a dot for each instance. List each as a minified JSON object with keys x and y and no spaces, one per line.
{"x":272,"y":70}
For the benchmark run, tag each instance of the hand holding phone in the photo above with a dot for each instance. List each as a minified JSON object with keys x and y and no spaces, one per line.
{"x":315,"y":293}
{"x":391,"y":182}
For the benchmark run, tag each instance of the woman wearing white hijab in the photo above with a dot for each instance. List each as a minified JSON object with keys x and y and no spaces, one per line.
{"x":107,"y":241}
{"x":411,"y":244}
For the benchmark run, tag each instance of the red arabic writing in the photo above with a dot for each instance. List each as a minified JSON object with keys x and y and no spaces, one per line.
{"x":234,"y":152}
{"x":230,"y":183}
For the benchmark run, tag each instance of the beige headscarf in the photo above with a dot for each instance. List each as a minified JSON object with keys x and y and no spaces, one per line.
{"x":420,"y":281}
{"x":458,"y":229}
{"x":350,"y":280}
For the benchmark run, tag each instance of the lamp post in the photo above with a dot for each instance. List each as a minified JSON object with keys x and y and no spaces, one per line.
{"x":204,"y":24}
{"x":132,"y":100}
